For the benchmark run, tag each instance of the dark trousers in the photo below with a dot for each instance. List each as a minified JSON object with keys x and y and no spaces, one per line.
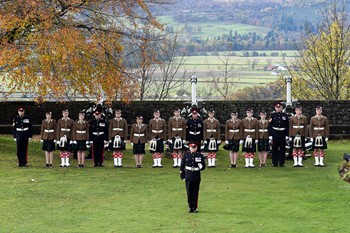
{"x":22,"y":149}
{"x":97,"y":152}
{"x":278,"y":151}
{"x":192,"y":188}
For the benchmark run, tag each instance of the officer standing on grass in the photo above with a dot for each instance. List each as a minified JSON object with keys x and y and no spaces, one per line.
{"x":22,"y":132}
{"x":190,"y":170}
{"x":278,"y":131}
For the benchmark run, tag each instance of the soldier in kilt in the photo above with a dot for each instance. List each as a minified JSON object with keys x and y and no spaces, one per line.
{"x":297,"y":135}
{"x":118,"y":131}
{"x":249,"y":128}
{"x":319,"y":133}
{"x":211,"y":135}
{"x":176,"y":137}
{"x":138,"y":138}
{"x":80,"y":136}
{"x":63,"y":137}
{"x":157,"y":135}
{"x":48,"y":127}
{"x":233,"y":135}
{"x":263,"y":138}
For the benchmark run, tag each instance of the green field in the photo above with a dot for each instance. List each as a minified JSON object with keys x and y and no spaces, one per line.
{"x":36,"y":199}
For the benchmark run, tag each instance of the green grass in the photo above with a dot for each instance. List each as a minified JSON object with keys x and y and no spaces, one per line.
{"x":309,"y":199}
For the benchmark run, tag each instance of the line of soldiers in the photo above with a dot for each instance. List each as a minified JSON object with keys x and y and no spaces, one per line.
{"x":67,"y":135}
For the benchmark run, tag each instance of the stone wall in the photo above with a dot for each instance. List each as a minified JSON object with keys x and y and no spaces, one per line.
{"x":338,"y":112}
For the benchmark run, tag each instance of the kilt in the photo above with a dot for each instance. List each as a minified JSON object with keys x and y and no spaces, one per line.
{"x":171,"y":145}
{"x":48,"y":145}
{"x":263,"y":145}
{"x":320,"y":147}
{"x":233,"y":145}
{"x":252,"y":149}
{"x":207,"y":144}
{"x":160,"y":147}
{"x":81,"y":145}
{"x":139,"y":148}
{"x":291,"y":144}
{"x":120,"y":148}
{"x":66,"y":147}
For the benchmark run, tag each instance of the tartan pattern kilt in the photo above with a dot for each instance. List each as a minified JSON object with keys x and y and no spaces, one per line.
{"x":160,"y":147}
{"x":123,"y":147}
{"x":252,"y":149}
{"x":320,"y":147}
{"x":66,"y":147}
{"x":48,"y":145}
{"x":291,"y":144}
{"x":139,"y":148}
{"x":80,"y":146}
{"x":207,"y":144}
{"x":233,"y":145}
{"x":171,"y":145}
{"x":263,"y":145}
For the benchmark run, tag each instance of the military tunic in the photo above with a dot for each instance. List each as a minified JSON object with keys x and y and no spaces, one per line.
{"x":211,"y":129}
{"x":81,"y":134}
{"x":298,"y":126}
{"x":194,"y":131}
{"x":157,"y":131}
{"x":64,"y":128}
{"x":191,"y":172}
{"x":48,"y":135}
{"x":118,"y":126}
{"x":138,"y":136}
{"x":233,"y":134}
{"x":319,"y":127}
{"x":22,"y":131}
{"x":250,"y":129}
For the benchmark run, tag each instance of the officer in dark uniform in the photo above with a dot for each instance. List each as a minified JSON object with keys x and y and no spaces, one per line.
{"x":190,"y":170}
{"x":278,"y":133}
{"x":22,"y":132}
{"x":98,"y":138}
{"x":194,"y":128}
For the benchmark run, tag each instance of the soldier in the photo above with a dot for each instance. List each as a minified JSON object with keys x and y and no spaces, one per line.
{"x":263,"y":138}
{"x":48,"y":136}
{"x":80,"y":137}
{"x":249,"y":128}
{"x":278,"y":131}
{"x":211,"y":135}
{"x":22,"y":132}
{"x":157,"y":135}
{"x":118,"y":132}
{"x":297,"y":135}
{"x":63,"y":137}
{"x":190,"y":170}
{"x":138,"y":138}
{"x":319,"y":133}
{"x":98,"y":138}
{"x":176,"y":136}
{"x":194,"y":128}
{"x":233,"y":135}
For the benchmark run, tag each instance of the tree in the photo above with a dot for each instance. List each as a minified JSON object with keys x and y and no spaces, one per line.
{"x":70,"y":46}
{"x":323,"y":61}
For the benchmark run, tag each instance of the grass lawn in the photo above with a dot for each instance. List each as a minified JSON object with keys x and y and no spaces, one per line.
{"x":36,"y":199}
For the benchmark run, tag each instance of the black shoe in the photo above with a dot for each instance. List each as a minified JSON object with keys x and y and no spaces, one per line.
{"x":154,"y":166}
{"x":82,"y":165}
{"x":321,"y":165}
{"x":174,"y":166}
{"x":47,"y":165}
{"x":120,"y":166}
{"x":161,"y":166}
{"x":50,"y":165}
{"x":95,"y":165}
{"x":274,"y":165}
{"x":115,"y":166}
{"x":282,"y":165}
{"x":213,"y":166}
{"x":101,"y":165}
{"x":190,"y":210}
{"x":233,"y":165}
{"x":195,"y":211}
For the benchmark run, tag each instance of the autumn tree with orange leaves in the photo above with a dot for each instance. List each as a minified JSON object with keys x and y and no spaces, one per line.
{"x":61,"y":48}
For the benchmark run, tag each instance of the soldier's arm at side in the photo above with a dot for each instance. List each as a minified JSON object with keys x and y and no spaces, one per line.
{"x":203,"y":163}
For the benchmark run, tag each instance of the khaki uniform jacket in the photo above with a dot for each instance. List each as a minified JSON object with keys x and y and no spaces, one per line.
{"x":64,"y":127}
{"x":263,"y":131}
{"x":177,"y":127}
{"x":319,"y":126}
{"x":211,"y":129}
{"x":138,"y":132}
{"x":298,"y":125}
{"x":157,"y":128}
{"x":81,"y":131}
{"x":233,"y":130}
{"x":48,"y":129}
{"x":250,"y":128}
{"x":118,"y":127}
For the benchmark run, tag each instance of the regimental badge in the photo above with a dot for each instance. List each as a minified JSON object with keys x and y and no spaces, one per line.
{"x":198,"y":160}
{"x":102,"y":124}
{"x":26,"y":121}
